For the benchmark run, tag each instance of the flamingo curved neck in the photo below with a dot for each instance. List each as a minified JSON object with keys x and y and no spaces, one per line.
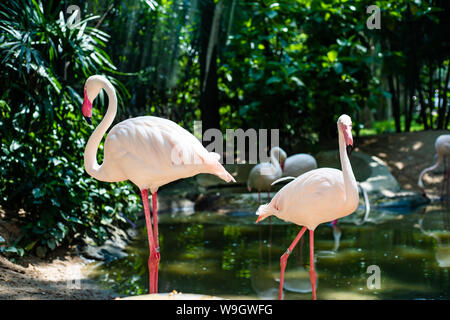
{"x":350,"y":185}
{"x":438,"y":162}
{"x":90,"y":153}
{"x":275,"y":161}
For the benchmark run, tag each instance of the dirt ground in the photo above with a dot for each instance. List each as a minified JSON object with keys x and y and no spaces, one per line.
{"x":406,"y":155}
{"x":56,"y":278}
{"x":61,"y":277}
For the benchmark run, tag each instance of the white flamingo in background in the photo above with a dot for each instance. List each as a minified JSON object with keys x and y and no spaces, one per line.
{"x":298,"y":164}
{"x":262,"y":175}
{"x":442,"y":146}
{"x":315,"y":197}
{"x":148,"y":151}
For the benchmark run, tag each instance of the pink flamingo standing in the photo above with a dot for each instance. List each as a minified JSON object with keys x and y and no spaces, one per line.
{"x":442,"y":146}
{"x":148,"y":151}
{"x":315,"y":197}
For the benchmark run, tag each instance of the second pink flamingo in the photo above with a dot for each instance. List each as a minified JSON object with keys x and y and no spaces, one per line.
{"x":315,"y":197}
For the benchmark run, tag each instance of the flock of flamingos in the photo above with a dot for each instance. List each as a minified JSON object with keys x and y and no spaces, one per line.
{"x":151,"y":152}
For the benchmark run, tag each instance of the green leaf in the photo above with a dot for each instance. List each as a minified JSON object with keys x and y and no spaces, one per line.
{"x":387,"y":94}
{"x":273,"y":79}
{"x":51,"y":244}
{"x":30,"y":245}
{"x":332,"y":55}
{"x":298,"y":81}
{"x":271,"y":14}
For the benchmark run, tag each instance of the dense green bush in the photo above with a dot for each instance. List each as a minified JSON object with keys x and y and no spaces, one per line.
{"x":43,"y":133}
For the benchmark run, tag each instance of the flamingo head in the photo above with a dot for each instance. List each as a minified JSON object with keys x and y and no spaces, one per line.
{"x":345,"y":126}
{"x":92,"y":88}
{"x":421,"y":187}
{"x":282,"y":165}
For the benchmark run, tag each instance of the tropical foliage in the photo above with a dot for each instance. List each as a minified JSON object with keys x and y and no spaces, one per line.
{"x":42,"y":135}
{"x":294,"y":65}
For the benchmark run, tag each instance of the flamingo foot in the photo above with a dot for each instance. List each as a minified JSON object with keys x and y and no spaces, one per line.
{"x":284,"y":258}
{"x":153,"y":265}
{"x":154,"y":256}
{"x":312,"y":273}
{"x":283,"y":262}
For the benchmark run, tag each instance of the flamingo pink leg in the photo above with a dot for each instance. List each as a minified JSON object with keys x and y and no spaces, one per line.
{"x":284,"y":258}
{"x":445,"y":178}
{"x":156,"y":237}
{"x":312,"y":273}
{"x":259,"y":198}
{"x":153,"y":259}
{"x":270,"y":232}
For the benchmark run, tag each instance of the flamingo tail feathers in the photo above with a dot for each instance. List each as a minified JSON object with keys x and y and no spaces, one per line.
{"x":225,"y":175}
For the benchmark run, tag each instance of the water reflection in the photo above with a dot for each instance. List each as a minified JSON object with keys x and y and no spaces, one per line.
{"x":230,"y":256}
{"x":439,"y":231}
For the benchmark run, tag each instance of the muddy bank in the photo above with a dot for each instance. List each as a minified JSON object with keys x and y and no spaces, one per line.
{"x":60,"y":277}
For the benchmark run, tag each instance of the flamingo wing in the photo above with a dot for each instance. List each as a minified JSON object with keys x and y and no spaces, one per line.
{"x":312,"y":198}
{"x":155,"y":151}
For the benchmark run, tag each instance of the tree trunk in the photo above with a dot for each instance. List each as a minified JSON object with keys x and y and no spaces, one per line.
{"x":423,"y":107}
{"x":405,"y":103}
{"x":441,"y":109}
{"x":209,"y":94}
{"x":444,"y":101}
{"x":445,"y":117}
{"x":395,"y":103}
{"x":430,"y":94}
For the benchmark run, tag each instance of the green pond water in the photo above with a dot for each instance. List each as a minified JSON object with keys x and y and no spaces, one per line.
{"x":232,"y":257}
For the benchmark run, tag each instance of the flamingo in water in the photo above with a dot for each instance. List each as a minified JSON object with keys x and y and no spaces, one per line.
{"x":148,"y":151}
{"x":442,"y":146}
{"x":263,"y":174}
{"x":298,"y":164}
{"x":315,"y":197}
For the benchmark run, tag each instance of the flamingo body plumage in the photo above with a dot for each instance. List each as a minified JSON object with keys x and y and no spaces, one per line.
{"x":315,"y":197}
{"x":151,"y":152}
{"x":298,"y":164}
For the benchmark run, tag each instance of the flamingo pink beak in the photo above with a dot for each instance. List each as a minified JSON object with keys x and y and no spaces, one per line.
{"x":87,"y":108}
{"x":282,"y":166}
{"x":347,"y":131}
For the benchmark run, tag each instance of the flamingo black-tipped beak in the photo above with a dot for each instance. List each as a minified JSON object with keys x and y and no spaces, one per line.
{"x":349,"y":149}
{"x":424,"y":194}
{"x":88,"y":119}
